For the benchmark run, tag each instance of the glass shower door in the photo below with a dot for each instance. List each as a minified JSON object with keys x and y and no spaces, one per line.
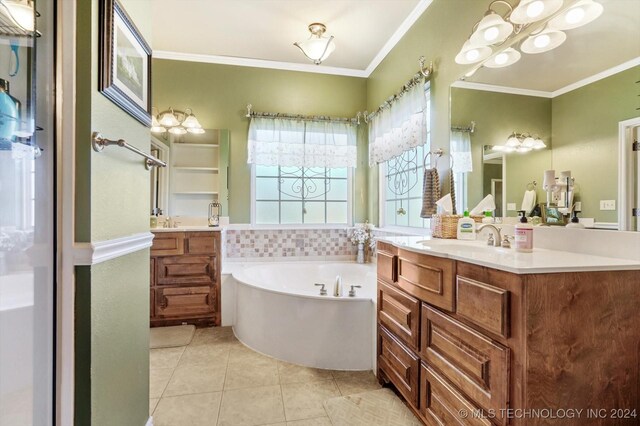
{"x":26,"y":215}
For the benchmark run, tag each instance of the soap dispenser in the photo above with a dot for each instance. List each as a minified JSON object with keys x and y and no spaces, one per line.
{"x":523,"y":240}
{"x":466,"y":227}
{"x":575,"y":222}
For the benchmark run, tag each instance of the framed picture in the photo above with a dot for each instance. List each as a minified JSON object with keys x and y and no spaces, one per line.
{"x":552,"y":216}
{"x":125,"y":62}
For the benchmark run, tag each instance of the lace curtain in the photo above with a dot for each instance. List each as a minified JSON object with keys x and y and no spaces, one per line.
{"x":301,"y":143}
{"x":461,"y":152}
{"x":399,"y":127}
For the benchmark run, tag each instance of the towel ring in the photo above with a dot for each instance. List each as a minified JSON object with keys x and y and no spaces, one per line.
{"x":450,"y":161}
{"x":439,"y":152}
{"x":532,"y":185}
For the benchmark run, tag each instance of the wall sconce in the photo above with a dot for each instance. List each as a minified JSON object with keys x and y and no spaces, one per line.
{"x":175,"y":122}
{"x":316,"y":47}
{"x":520,"y":142}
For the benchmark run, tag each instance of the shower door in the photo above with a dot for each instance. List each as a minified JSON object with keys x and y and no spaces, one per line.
{"x":27,"y":267}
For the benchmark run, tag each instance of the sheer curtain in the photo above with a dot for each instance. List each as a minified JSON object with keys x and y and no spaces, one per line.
{"x":301,"y":143}
{"x":400,"y":127}
{"x":462,"y":164}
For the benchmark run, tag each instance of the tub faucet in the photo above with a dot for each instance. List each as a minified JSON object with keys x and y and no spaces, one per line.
{"x":337,"y":288}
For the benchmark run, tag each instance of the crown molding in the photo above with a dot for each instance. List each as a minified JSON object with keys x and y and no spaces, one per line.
{"x":502,"y":89}
{"x":599,"y":76}
{"x":397,"y":36}
{"x":258,"y":63}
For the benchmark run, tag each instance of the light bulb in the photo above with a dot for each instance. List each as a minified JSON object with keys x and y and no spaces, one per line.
{"x":491,"y":33}
{"x":574,"y":15}
{"x":535,"y":8}
{"x":196,"y":130}
{"x":501,"y":59}
{"x":513,"y":141}
{"x":523,"y":149}
{"x":542,"y":41}
{"x":472,"y":55}
{"x":177,"y":130}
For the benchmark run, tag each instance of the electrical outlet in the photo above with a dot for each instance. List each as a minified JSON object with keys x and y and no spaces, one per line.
{"x":511,"y":206}
{"x":577,"y":206}
{"x":607,"y":204}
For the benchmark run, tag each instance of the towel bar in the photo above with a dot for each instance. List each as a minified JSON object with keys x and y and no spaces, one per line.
{"x":98,"y":142}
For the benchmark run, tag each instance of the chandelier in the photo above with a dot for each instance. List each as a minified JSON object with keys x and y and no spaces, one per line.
{"x":316,"y":47}
{"x":175,"y":122}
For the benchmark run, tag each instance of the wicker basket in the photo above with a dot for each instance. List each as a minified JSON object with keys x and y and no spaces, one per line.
{"x":446,"y":226}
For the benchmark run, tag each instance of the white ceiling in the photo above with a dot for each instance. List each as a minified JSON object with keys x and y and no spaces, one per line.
{"x":266,"y":29}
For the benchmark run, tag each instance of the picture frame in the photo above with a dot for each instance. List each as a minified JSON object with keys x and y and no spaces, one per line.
{"x":552,"y":216}
{"x":125,"y":62}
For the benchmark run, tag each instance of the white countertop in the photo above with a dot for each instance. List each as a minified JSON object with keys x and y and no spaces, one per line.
{"x":188,"y":229}
{"x":540,"y":261}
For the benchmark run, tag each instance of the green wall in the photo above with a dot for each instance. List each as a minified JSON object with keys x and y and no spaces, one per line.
{"x":585,"y":137}
{"x":497,"y":115}
{"x":111,"y":201}
{"x":219,"y":94}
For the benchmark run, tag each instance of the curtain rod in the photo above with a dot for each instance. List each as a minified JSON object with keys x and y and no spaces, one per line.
{"x":421,"y":75}
{"x":469,"y":129}
{"x":251,"y":114}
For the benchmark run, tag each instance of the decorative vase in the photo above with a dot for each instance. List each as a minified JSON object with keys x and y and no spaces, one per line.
{"x":360,"y":258}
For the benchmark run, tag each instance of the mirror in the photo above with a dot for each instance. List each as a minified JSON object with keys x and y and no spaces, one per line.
{"x":572,"y":97}
{"x":196,"y":173}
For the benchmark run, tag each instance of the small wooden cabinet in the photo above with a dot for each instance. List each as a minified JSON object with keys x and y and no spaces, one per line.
{"x":457,"y":337}
{"x":185,"y":278}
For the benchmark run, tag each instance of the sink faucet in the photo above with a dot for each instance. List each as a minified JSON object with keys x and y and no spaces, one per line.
{"x":495,"y":236}
{"x":337,"y":288}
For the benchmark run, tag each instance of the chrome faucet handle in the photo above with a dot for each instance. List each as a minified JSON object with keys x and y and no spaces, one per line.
{"x":490,"y":240}
{"x":175,"y":224}
{"x":352,"y":292}
{"x":505,"y":242}
{"x":323,"y":291}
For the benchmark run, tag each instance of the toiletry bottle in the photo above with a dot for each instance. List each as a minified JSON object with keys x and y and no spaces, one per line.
{"x":466,"y":227}
{"x":9,"y":112}
{"x":575,"y":222}
{"x":523,"y":240}
{"x":488,"y":218}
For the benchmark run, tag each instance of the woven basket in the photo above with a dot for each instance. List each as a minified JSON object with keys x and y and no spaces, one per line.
{"x":446,"y":226}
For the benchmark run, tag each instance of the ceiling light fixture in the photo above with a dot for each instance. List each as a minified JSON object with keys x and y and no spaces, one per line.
{"x":543,"y":41}
{"x":21,"y":12}
{"x":529,"y":11}
{"x":579,"y":14}
{"x":520,"y":142}
{"x":505,"y":58}
{"x":176,"y":122}
{"x":317,"y":48}
{"x":471,"y":54}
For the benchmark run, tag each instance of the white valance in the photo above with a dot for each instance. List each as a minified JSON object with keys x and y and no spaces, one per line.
{"x":301,"y":143}
{"x":461,"y":152}
{"x":399,"y":127}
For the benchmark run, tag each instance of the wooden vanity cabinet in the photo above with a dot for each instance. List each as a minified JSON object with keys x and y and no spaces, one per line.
{"x":457,"y":336}
{"x":185,"y":278}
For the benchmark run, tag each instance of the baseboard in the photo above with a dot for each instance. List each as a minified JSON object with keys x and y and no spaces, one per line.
{"x":149,"y":422}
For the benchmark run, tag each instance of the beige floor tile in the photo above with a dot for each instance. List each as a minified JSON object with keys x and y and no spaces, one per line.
{"x":189,"y":379}
{"x":206,"y":355}
{"x":351,"y":382}
{"x":376,"y":408}
{"x":158,"y":379}
{"x":291,"y":373}
{"x":165,"y":358}
{"x":152,"y":404}
{"x":262,"y":372}
{"x":188,"y":410}
{"x":251,"y":406}
{"x":243,"y":355}
{"x":318,"y":421}
{"x":304,"y":400}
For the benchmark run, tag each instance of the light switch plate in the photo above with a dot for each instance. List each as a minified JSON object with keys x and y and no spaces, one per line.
{"x":511,"y":206}
{"x":607,"y":204}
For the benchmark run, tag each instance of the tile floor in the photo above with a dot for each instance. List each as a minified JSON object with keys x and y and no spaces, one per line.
{"x":216,"y":380}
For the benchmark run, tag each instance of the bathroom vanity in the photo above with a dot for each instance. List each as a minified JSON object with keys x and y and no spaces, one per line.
{"x":466,"y":334}
{"x":185,"y":276}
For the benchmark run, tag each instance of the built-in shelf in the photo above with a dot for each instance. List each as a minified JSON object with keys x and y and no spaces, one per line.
{"x":196,"y":193}
{"x":197,"y":145}
{"x":196,"y":169}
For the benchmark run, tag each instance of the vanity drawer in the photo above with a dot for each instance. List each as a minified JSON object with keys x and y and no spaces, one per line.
{"x":483,"y":304}
{"x":202,"y":243}
{"x":167,"y":244}
{"x":441,"y":404}
{"x":194,"y":270}
{"x":429,"y":278}
{"x":387,"y":262}
{"x":399,"y":313}
{"x":184,"y":301}
{"x":399,"y":365}
{"x":474,"y":363}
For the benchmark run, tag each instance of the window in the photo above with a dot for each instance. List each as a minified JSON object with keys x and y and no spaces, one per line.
{"x":301,"y":195}
{"x":401,"y":180}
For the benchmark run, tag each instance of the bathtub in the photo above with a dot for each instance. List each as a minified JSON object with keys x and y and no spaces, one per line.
{"x":280,"y":313}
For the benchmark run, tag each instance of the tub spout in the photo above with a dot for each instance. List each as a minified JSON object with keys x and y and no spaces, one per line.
{"x":337,"y":288}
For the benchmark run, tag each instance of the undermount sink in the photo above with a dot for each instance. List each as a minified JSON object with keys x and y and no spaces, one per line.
{"x":448,"y":246}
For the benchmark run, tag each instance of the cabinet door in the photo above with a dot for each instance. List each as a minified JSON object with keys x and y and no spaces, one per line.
{"x":184,"y":302}
{"x":475,"y":364}
{"x":428,"y":278}
{"x":167,"y":244}
{"x":399,"y":365}
{"x":204,"y":243}
{"x":189,"y":270}
{"x":400,"y":313}
{"x":387,"y":262}
{"x":441,"y":404}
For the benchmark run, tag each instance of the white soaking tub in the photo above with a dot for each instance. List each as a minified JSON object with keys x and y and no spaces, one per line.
{"x":279,"y":312}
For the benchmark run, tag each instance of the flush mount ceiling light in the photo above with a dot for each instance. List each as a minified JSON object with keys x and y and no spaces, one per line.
{"x":21,"y":12}
{"x":520,"y":142}
{"x":579,"y":14}
{"x":543,"y":41}
{"x":505,"y":58}
{"x":317,"y":48}
{"x":176,"y":122}
{"x":529,"y":11}
{"x":471,"y":54}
